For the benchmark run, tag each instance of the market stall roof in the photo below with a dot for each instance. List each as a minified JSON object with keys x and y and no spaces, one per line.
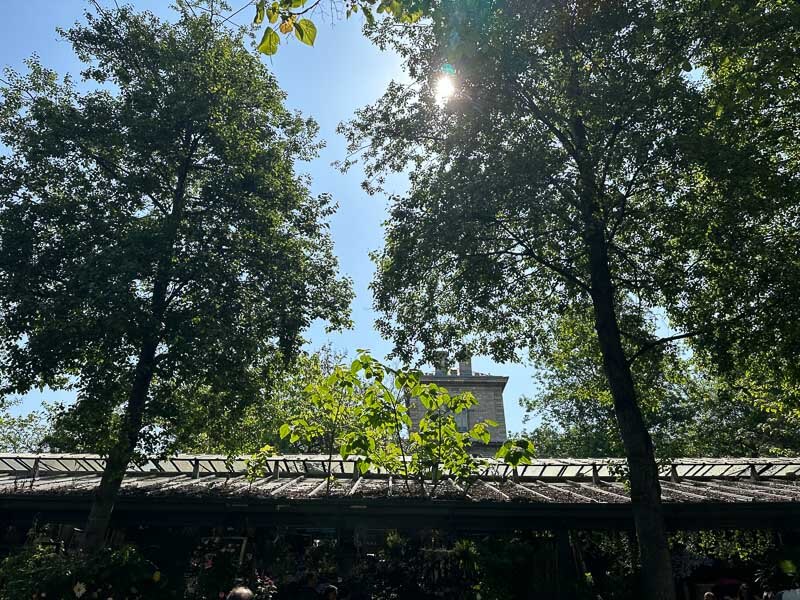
{"x":296,"y":491}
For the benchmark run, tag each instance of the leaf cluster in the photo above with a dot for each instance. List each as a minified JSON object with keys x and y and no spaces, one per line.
{"x":361,"y":411}
{"x":287,"y":17}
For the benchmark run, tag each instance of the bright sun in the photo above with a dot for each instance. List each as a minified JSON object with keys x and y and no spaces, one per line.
{"x":444,"y":89}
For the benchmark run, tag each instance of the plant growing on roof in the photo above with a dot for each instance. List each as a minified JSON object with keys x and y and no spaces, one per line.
{"x":361,"y":411}
{"x":438,"y":448}
{"x":515,"y":452}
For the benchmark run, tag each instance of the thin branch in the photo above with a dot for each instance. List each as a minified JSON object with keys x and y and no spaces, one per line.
{"x":661,"y":341}
{"x":229,"y":17}
{"x":547,"y":122}
{"x":555,"y":267}
{"x":306,"y":10}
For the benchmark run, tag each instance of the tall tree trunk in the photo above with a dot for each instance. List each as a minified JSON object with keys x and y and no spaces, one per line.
{"x":119,"y":457}
{"x":656,"y":567}
{"x":654,"y":557}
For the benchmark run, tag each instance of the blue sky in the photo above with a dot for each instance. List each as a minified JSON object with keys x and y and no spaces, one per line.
{"x":328,"y":82}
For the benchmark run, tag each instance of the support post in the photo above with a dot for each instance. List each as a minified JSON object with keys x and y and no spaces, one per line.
{"x":567,"y":583}
{"x":345,"y":551}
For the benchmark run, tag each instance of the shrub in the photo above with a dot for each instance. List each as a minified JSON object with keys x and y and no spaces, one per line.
{"x":47,"y":571}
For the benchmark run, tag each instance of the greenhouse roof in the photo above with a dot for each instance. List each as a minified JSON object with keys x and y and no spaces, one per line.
{"x":296,"y":491}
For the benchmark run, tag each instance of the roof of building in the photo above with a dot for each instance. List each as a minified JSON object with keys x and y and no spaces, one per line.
{"x":459,"y":379}
{"x":295,"y":489}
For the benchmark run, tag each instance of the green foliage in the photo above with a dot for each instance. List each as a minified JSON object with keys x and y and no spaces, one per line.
{"x":681,"y":401}
{"x":750,"y":269}
{"x":437,"y":446}
{"x":488,"y":246}
{"x":269,"y":43}
{"x":155,"y":219}
{"x":219,"y":424}
{"x":733,"y":546}
{"x":517,"y":451}
{"x":45,"y":571}
{"x":289,"y":13}
{"x":257,"y":463}
{"x":577,"y":169}
{"x":23,"y":433}
{"x":361,"y":410}
{"x":305,"y":31}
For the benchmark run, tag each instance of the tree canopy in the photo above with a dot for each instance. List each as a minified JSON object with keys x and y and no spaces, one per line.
{"x":579,"y":166}
{"x":749,"y":273}
{"x":690,"y":409}
{"x":153,"y":232}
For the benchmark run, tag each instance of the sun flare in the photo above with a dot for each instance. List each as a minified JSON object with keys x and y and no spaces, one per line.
{"x":444,"y":89}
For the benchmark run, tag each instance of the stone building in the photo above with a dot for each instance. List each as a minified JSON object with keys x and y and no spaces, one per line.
{"x":487,"y":389}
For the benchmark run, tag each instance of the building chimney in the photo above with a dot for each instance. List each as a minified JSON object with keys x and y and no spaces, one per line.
{"x":440,"y":363}
{"x":465,"y":367}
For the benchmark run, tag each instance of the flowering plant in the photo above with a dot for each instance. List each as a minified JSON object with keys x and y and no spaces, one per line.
{"x":215,"y":566}
{"x":264,"y":588}
{"x":48,"y":571}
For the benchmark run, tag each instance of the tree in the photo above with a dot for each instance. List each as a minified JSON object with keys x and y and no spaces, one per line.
{"x":558,"y":177}
{"x":153,"y":234}
{"x":753,"y":85}
{"x":198,"y":419}
{"x":575,"y":403}
{"x":224,"y":430}
{"x":22,"y":433}
{"x":689,"y":411}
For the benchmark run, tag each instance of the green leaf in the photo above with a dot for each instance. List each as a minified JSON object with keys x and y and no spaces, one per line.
{"x":284,"y":430}
{"x":368,"y":14}
{"x":788,"y":567}
{"x":273,"y":12}
{"x":260,"y":9}
{"x":305,"y":31}
{"x":269,"y":43}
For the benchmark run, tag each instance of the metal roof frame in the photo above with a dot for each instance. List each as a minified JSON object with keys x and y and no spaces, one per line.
{"x":316,"y":465}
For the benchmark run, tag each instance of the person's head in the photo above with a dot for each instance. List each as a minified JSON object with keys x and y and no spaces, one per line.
{"x":240,"y":593}
{"x":330,"y":592}
{"x":744,"y":592}
{"x":709,"y":596}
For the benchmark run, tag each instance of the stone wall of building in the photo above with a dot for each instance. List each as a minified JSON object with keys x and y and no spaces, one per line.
{"x":487,"y":389}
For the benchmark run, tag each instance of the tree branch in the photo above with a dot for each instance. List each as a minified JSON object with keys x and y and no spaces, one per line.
{"x":661,"y":341}
{"x":565,"y":272}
